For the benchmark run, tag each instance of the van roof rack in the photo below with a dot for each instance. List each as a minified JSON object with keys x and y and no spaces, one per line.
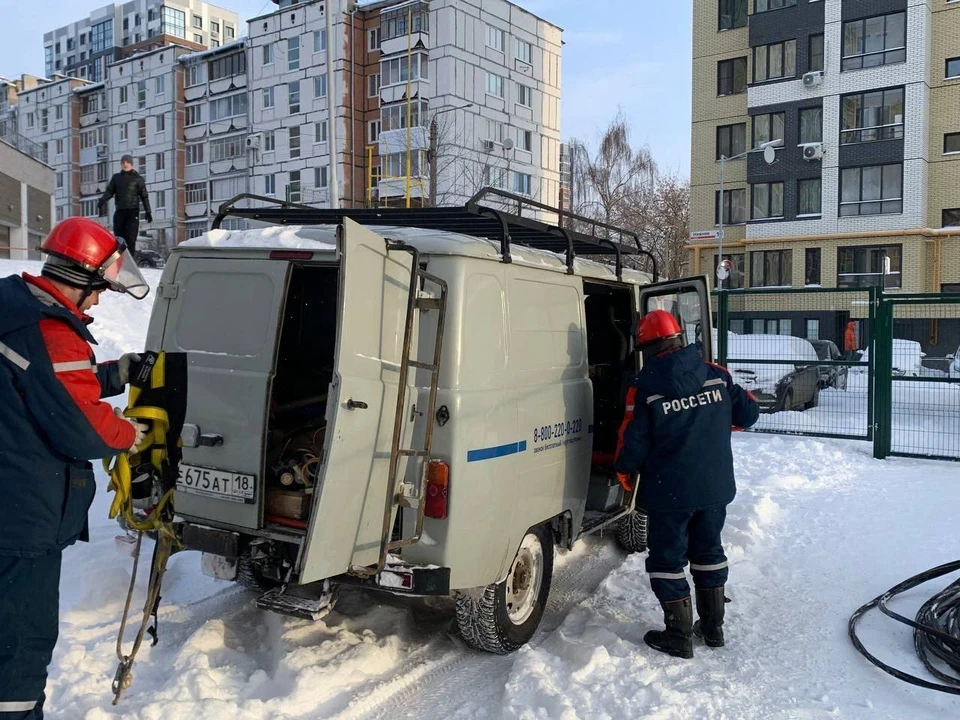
{"x":474,"y":218}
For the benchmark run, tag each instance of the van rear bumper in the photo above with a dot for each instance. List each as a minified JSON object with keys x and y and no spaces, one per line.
{"x":402,"y":579}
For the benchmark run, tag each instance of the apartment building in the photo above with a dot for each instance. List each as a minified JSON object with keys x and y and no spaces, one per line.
{"x":85,"y":48}
{"x":26,"y":201}
{"x":863,"y":97}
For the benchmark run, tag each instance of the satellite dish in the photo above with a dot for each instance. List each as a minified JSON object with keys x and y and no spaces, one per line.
{"x":769,"y":155}
{"x":508,"y":144}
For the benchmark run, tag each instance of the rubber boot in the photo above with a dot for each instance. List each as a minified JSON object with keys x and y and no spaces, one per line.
{"x":710,"y":608}
{"x":677,"y":639}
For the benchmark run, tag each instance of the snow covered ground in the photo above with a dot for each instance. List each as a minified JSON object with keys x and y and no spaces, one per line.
{"x":818,"y":528}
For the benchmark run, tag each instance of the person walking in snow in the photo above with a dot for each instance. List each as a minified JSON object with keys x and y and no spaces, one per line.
{"x":129,"y":190}
{"x":53,"y":422}
{"x":679,"y":442}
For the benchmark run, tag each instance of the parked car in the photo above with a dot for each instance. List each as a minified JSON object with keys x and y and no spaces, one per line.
{"x":776,"y":387}
{"x":830,"y":375}
{"x":954,"y":369}
{"x":907,"y":358}
{"x":149,"y":259}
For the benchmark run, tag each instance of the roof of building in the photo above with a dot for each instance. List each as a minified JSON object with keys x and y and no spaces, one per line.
{"x":237,"y":44}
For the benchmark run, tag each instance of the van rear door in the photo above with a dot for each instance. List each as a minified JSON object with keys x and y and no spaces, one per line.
{"x":346,"y":525}
{"x":688,"y":300}
{"x":225,"y":313}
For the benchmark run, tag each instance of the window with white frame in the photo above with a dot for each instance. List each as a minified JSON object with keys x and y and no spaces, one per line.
{"x":196,"y":193}
{"x":123,"y":131}
{"x":160,"y":161}
{"x":228,"y":107}
{"x":373,"y":85}
{"x":123,"y":94}
{"x":321,"y":176}
{"x":58,"y":112}
{"x":373,"y":39}
{"x":267,"y":53}
{"x":194,"y":75}
{"x":522,"y":183}
{"x":293,"y":97}
{"x":496,"y":131}
{"x":525,"y":52}
{"x":495,"y":84}
{"x":194,"y":115}
{"x":394,"y":71}
{"x":320,"y":41}
{"x":394,"y":117}
{"x":142,"y":164}
{"x":320,"y":86}
{"x":196,"y":228}
{"x":226,"y":188}
{"x":161,"y":85}
{"x":395,"y":164}
{"x":226,"y":148}
{"x":524,"y":95}
{"x":44,"y":123}
{"x":142,"y":132}
{"x":294,"y":141}
{"x":496,"y":38}
{"x":59,"y":147}
{"x":90,"y":208}
{"x":524,"y":140}
{"x":373,"y":132}
{"x":161,"y":201}
{"x":161,"y":120}
{"x":141,"y":94}
{"x":294,"y":192}
{"x":495,"y":177}
{"x":320,"y":132}
{"x":59,"y":181}
{"x":194,"y":154}
{"x":30,"y":120}
{"x":269,"y":141}
{"x":268,"y":97}
{"x":293,"y":53}
{"x":270,"y":184}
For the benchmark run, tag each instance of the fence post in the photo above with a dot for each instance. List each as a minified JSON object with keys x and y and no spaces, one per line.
{"x":723,"y":326}
{"x":881,"y":369}
{"x":874,"y":301}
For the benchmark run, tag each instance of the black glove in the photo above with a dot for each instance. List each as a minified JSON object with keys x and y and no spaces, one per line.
{"x":149,"y":217}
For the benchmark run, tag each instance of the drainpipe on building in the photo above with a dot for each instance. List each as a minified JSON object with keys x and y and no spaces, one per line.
{"x":353,"y":105}
{"x":334,"y":189}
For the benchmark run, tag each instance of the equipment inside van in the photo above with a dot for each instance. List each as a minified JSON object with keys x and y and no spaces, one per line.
{"x":424,"y":402}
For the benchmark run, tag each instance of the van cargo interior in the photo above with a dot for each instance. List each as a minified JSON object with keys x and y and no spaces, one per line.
{"x":609,"y":318}
{"x":296,"y":425}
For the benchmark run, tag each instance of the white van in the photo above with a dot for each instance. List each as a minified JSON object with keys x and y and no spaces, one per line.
{"x":421,"y":401}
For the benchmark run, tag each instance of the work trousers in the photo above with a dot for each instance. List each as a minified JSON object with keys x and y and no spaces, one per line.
{"x":673,"y":538}
{"x":29,"y":615}
{"x":126,"y":224}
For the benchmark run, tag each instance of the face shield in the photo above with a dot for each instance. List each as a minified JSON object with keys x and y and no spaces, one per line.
{"x":122,"y":274}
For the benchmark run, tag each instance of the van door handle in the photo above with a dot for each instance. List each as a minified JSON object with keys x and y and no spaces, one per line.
{"x":211,"y":440}
{"x":356,"y":405}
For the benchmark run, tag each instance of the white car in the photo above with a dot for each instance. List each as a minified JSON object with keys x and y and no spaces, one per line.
{"x":954,"y":359}
{"x":907,"y":358}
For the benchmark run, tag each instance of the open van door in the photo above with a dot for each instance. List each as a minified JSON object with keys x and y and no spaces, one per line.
{"x":688,"y":300}
{"x":346,"y":525}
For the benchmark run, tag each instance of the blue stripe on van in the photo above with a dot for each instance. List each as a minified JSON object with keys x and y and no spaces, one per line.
{"x":496,"y":452}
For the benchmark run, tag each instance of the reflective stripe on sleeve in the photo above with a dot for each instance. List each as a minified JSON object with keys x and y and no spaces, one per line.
{"x":714,"y":381}
{"x":73,"y":366}
{"x":13,"y":356}
{"x":654,"y":398}
{"x":708,"y":568}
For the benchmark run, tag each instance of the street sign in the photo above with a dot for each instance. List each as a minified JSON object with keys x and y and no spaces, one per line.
{"x":705,"y":235}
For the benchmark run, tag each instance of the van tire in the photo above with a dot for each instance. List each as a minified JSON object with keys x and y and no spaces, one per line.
{"x":484,"y":616}
{"x":632,"y":532}
{"x":249,"y":575}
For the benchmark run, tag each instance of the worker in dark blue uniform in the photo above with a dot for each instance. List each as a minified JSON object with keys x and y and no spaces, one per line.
{"x":679,"y":443}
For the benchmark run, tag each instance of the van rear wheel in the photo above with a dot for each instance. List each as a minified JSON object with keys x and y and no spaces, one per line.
{"x":632,"y":532}
{"x":502,"y":617}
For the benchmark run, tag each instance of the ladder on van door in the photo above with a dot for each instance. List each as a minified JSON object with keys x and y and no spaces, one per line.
{"x":400,"y":493}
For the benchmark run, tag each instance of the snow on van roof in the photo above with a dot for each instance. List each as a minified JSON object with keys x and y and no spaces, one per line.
{"x":277,"y":236}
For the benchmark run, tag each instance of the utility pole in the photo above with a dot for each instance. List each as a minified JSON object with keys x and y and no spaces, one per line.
{"x":434,"y":150}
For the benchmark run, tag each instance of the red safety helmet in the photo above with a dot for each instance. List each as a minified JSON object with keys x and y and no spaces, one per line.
{"x":84,"y":254}
{"x":657,"y":325}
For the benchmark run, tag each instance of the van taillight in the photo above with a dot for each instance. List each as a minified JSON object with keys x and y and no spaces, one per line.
{"x":438,"y":483}
{"x":291,"y":255}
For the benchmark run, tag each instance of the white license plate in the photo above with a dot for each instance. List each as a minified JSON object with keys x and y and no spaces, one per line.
{"x":220,"y":484}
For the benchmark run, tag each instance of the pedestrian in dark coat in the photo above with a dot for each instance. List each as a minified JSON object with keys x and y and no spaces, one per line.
{"x":53,"y":422}
{"x":679,"y":443}
{"x":128,"y":189}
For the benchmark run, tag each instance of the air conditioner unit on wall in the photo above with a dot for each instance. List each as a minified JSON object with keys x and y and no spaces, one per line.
{"x":488,"y":145}
{"x":254,"y":140}
{"x":812,"y":151}
{"x":813,"y":79}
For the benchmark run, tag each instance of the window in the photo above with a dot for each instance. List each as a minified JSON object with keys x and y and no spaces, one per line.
{"x":294,"y":141}
{"x":871,"y":116}
{"x":44,"y":120}
{"x":524,"y":95}
{"x":320,"y":132}
{"x":226,"y":148}
{"x":951,"y":143}
{"x":395,"y":25}
{"x":198,"y":39}
{"x":320,"y":41}
{"x":525,"y":51}
{"x":173,"y":22}
{"x":811,"y":125}
{"x":214,"y":27}
{"x":83,"y":37}
{"x":101,"y":36}
{"x":228,"y":107}
{"x":394,"y":117}
{"x":373,"y":132}
{"x":811,"y":266}
{"x":767,"y":127}
{"x":293,"y":53}
{"x":228,"y":66}
{"x":142,"y":164}
{"x":103,"y":171}
{"x":373,"y":85}
{"x":944,"y":287}
{"x":123,"y":95}
{"x":871,"y":190}
{"x":293,"y":97}
{"x":321,"y":176}
{"x":229,"y":32}
{"x":950,"y":218}
{"x":524,"y":140}
{"x":522,"y":184}
{"x":320,"y":86}
{"x":496,"y":131}
{"x":268,"y":97}
{"x":195,"y":154}
{"x":30,"y":120}
{"x":70,"y":43}
{"x":270,"y":184}
{"x":731,"y":140}
{"x":778,"y":60}
{"x":194,"y":75}
{"x":764,"y":5}
{"x":495,"y":176}
{"x":89,"y":208}
{"x":735,"y":280}
{"x":196,"y":228}
{"x":161,"y":161}
{"x":733,"y":14}
{"x":161,"y":201}
{"x":160,"y":86}
{"x":496,"y":38}
{"x":816,"y":52}
{"x":771,"y":268}
{"x":767,"y":200}
{"x":269,"y":141}
{"x":732,"y":76}
{"x":142,"y":132}
{"x":373,"y":39}
{"x":734,"y":207}
{"x":226,"y":188}
{"x":59,"y":181}
{"x":58,"y":112}
{"x":809,"y":196}
{"x":141,"y":94}
{"x":394,"y":71}
{"x":874,"y":41}
{"x":494,"y":85}
{"x":194,"y":115}
{"x":268,"y":54}
{"x":865,"y":266}
{"x":953,"y":68}
{"x":198,"y":22}
{"x":293,"y":187}
{"x":60,"y":209}
{"x":123,"y":132}
{"x":395,"y":164}
{"x":813,"y":329}
{"x":59,"y":147}
{"x":83,"y":56}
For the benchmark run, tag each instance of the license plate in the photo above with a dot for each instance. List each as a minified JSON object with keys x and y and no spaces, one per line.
{"x":220,"y":484}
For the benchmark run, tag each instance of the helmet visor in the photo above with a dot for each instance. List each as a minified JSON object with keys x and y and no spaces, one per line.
{"x":124,"y":276}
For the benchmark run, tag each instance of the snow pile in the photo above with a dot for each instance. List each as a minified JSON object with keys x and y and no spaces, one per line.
{"x":291,"y":237}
